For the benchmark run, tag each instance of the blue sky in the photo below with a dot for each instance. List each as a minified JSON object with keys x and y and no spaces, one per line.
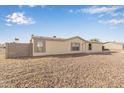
{"x":103,"y":22}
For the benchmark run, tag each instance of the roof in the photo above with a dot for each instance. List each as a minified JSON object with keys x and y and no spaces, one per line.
{"x":47,"y":38}
{"x":77,"y":37}
{"x":58,"y":39}
{"x":62,"y":39}
{"x":114,"y":43}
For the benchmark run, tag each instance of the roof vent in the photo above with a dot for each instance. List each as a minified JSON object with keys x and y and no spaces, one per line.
{"x":32,"y":35}
{"x":54,"y":36}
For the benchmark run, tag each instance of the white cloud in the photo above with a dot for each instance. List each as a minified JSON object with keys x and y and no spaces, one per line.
{"x":8,"y":24}
{"x":21,"y":6}
{"x":101,"y":15}
{"x":71,"y":11}
{"x":19,"y":18}
{"x":115,"y":14}
{"x":98,"y":9}
{"x":32,"y":6}
{"x":101,"y":10}
{"x":112,"y":14}
{"x":112,"y":21}
{"x":43,"y":6}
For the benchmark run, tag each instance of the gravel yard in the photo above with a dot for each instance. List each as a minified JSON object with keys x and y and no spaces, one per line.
{"x":96,"y":70}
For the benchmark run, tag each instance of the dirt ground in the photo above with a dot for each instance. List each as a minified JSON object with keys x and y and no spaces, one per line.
{"x":95,"y":70}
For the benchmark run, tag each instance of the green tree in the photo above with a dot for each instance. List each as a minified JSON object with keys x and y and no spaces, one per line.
{"x":95,"y":40}
{"x":16,"y":39}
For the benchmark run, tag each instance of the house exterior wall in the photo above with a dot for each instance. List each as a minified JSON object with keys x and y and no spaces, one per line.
{"x":15,"y":50}
{"x":64,"y":47}
{"x":76,"y":40}
{"x":113,"y":46}
{"x":96,"y":47}
{"x":59,"y":47}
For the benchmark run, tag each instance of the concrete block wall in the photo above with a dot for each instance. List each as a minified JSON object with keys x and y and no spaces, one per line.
{"x":16,"y":50}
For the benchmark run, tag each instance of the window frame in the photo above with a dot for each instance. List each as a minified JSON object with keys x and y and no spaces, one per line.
{"x":40,"y":49}
{"x":75,"y":48}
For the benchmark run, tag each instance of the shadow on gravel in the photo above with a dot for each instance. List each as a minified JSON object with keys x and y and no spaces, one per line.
{"x":81,"y":55}
{"x":68,"y":55}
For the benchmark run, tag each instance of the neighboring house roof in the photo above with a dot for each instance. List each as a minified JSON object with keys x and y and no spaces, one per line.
{"x":61,"y":39}
{"x":114,"y":43}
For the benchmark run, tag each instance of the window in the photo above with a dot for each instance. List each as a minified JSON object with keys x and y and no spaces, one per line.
{"x":40,"y":46}
{"x":90,"y":46}
{"x":75,"y":46}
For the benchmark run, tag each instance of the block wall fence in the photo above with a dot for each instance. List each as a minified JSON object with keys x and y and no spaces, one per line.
{"x":16,"y":50}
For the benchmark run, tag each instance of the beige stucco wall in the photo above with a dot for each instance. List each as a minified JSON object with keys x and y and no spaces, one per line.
{"x":15,"y":50}
{"x":60,"y":47}
{"x":96,"y":47}
{"x":113,"y":46}
{"x":64,"y":47}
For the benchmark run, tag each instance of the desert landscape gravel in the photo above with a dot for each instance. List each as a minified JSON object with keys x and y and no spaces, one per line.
{"x":72,"y":71}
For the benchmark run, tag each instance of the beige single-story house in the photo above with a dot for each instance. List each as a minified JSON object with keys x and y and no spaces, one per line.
{"x":42,"y":46}
{"x":113,"y":46}
{"x":53,"y":45}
